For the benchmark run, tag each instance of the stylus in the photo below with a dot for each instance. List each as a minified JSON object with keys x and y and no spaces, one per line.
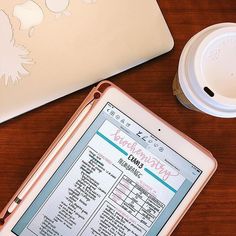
{"x":47,"y":161}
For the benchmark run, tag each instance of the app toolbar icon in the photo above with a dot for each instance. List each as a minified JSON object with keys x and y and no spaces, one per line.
{"x":112,"y":113}
{"x":117,"y":117}
{"x":144,"y":138}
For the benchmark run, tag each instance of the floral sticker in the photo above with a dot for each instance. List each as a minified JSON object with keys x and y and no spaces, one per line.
{"x":12,"y":56}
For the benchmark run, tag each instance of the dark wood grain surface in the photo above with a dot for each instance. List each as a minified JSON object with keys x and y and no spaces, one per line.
{"x":24,"y":139}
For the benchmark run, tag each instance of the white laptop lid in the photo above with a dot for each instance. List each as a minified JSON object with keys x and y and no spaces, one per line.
{"x":50,"y":48}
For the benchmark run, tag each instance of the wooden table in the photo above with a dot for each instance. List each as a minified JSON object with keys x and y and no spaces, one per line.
{"x":23,"y":140}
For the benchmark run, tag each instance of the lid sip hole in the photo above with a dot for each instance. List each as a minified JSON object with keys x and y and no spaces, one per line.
{"x":209,"y":92}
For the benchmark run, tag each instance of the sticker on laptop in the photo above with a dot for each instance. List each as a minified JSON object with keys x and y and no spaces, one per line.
{"x":58,"y":7}
{"x":13,"y":57}
{"x":30,"y":15}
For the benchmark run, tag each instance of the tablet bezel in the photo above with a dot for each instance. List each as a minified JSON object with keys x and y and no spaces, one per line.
{"x":192,"y":152}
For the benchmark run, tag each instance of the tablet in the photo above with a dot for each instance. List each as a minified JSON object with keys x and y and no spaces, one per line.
{"x":115,"y":169}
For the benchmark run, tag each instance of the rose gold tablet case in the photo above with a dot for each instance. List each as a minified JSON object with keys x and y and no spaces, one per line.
{"x":94,"y":96}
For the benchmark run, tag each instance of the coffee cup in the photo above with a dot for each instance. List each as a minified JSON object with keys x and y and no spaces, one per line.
{"x":206,"y":77}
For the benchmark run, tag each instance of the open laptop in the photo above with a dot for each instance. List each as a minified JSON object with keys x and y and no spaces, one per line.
{"x":50,"y":48}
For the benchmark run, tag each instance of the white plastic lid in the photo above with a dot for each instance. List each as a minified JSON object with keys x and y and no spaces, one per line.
{"x":207,"y":70}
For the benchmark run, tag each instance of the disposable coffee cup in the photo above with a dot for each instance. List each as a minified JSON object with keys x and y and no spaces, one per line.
{"x":206,"y":77}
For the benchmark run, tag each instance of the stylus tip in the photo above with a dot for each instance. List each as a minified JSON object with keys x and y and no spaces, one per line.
{"x":2,"y":220}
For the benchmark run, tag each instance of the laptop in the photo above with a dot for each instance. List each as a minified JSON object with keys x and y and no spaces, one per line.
{"x":51,"y":48}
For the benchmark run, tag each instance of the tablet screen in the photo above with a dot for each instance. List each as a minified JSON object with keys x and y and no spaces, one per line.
{"x":119,"y":179}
